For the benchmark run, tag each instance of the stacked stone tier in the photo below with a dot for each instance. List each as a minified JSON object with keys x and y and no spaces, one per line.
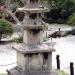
{"x":35,"y":23}
{"x":44,"y":47}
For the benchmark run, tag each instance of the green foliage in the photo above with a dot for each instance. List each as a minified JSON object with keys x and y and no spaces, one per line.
{"x":60,"y":11}
{"x":71,"y":20}
{"x":44,"y":0}
{"x":2,"y":14}
{"x":19,"y":3}
{"x":18,"y":40}
{"x":62,"y":72}
{"x":5,"y":28}
{"x":3,"y":74}
{"x":67,"y":5}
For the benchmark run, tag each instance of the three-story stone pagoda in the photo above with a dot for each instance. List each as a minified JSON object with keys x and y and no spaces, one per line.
{"x":33,"y":56}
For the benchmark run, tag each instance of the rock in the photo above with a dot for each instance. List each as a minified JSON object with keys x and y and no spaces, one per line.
{"x":57,"y":34}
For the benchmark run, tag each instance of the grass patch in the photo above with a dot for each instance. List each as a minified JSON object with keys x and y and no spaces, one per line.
{"x":3,"y":74}
{"x":61,"y":72}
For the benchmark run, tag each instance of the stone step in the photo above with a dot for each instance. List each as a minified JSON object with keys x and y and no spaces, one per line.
{"x":20,"y":72}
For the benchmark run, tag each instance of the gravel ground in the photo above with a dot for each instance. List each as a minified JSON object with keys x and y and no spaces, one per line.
{"x":7,"y":57}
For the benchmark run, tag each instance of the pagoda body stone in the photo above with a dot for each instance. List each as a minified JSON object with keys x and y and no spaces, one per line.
{"x":34,"y":57}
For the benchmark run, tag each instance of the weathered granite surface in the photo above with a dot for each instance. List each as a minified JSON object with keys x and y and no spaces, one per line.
{"x":19,"y":71}
{"x":23,"y":48}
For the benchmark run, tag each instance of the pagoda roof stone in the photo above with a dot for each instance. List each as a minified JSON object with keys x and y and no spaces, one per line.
{"x":43,"y":47}
{"x":33,"y":10}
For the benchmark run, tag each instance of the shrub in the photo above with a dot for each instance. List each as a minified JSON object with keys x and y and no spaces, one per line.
{"x":71,"y":20}
{"x":61,"y":72}
{"x":5,"y":28}
{"x":18,"y":40}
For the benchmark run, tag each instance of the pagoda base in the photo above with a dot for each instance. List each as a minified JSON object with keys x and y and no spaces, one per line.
{"x":19,"y":71}
{"x":34,"y":58}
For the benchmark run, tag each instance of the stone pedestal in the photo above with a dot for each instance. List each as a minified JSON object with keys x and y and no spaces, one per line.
{"x":18,"y":71}
{"x":33,"y":59}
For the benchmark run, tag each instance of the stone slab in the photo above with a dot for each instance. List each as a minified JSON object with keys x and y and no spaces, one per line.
{"x":33,"y":49}
{"x":33,"y":26}
{"x":38,"y":10}
{"x":17,"y":71}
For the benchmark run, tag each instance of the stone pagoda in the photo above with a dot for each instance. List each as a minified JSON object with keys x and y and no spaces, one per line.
{"x":34,"y":57}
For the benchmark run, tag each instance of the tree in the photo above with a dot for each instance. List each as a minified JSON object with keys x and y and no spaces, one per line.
{"x":71,"y":20}
{"x":5,"y":28}
{"x":67,"y":5}
{"x":60,"y":11}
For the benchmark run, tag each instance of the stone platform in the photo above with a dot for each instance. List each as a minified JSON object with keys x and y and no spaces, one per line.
{"x":18,"y":71}
{"x":44,"y":47}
